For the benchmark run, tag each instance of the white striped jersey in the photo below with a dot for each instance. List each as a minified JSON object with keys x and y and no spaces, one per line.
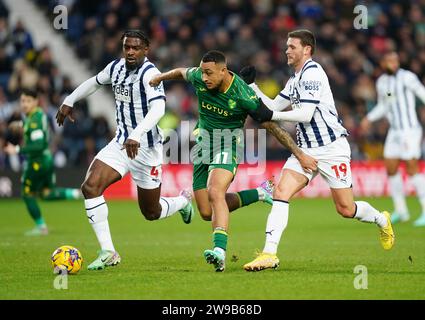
{"x":311,"y":86}
{"x":396,"y":99}
{"x":133,"y":95}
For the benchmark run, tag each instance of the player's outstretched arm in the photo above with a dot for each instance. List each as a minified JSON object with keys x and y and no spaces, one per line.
{"x":309,"y":164}
{"x":85,"y":89}
{"x":303,"y":114}
{"x":365,"y":125}
{"x":378,"y":112}
{"x":175,"y":74}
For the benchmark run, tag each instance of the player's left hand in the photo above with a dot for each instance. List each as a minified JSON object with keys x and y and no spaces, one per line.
{"x":10,"y":149}
{"x":308,"y":163}
{"x":63,"y":112}
{"x":132,"y":148}
{"x":248,"y":74}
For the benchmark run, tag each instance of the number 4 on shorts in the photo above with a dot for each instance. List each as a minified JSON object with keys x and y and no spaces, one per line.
{"x":154,"y":172}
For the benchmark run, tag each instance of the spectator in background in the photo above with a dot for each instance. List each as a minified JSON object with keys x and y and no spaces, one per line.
{"x":22,"y":40}
{"x":23,"y":76}
{"x":4,"y":12}
{"x":100,"y":132}
{"x":74,"y":137}
{"x":5,"y":37}
{"x":6,"y":64}
{"x":180,"y":31}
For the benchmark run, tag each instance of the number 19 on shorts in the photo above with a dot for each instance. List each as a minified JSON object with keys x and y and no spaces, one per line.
{"x":340,"y":170}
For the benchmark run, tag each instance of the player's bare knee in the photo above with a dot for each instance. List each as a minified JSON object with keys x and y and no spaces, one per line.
{"x":91,"y":189}
{"x":215,"y":194}
{"x":280,"y":194}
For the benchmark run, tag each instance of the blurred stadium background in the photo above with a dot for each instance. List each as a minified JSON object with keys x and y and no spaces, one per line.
{"x":34,"y":54}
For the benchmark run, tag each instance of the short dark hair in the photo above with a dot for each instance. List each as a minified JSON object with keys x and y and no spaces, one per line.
{"x":306,"y":36}
{"x":29,"y":92}
{"x":136,"y":34}
{"x":214,"y":56}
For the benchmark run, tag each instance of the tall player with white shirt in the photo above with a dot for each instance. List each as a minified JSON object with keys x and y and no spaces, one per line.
{"x":136,"y":147}
{"x":396,"y":90}
{"x":321,"y":135}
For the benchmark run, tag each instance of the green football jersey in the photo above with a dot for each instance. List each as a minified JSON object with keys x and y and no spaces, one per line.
{"x":36,"y":136}
{"x":222,"y":110}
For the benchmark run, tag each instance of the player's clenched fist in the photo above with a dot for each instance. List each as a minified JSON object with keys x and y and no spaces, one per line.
{"x":308,"y":163}
{"x":155,"y":81}
{"x":131,"y":147}
{"x":248,"y":74}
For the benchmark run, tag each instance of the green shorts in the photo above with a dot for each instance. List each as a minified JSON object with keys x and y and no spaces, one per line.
{"x":221,"y":156}
{"x":37,"y":176}
{"x":201,"y":171}
{"x":223,"y":160}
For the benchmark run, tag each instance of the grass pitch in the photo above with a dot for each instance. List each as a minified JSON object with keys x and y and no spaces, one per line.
{"x":163,"y":259}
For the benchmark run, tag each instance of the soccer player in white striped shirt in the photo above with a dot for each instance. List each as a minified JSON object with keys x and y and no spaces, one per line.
{"x":136,"y":147}
{"x":321,"y":135}
{"x":396,"y":90}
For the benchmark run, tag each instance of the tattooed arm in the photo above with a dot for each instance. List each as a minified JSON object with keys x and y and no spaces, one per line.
{"x":308,"y":163}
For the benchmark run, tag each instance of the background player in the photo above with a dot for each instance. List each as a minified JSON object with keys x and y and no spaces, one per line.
{"x":38,"y":178}
{"x":396,"y":90}
{"x":320,"y":135}
{"x":136,"y":147}
{"x":224,"y":102}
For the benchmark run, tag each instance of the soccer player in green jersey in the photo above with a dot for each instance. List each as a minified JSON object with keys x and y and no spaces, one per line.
{"x":38,"y":178}
{"x":224,"y":102}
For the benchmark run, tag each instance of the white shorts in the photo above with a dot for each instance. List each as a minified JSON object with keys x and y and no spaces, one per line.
{"x":333,"y":163}
{"x":145,"y":169}
{"x":403,"y":144}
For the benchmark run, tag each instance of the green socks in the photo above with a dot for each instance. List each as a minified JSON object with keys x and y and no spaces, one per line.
{"x":248,"y":196}
{"x":62,"y":193}
{"x":34,"y":210}
{"x":220,"y":238}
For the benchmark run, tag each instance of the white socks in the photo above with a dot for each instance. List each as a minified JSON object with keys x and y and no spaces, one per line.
{"x":397,"y":194}
{"x":171,"y":205}
{"x":278,"y":220}
{"x":366,"y":213}
{"x":276,"y":223}
{"x":97,"y":212}
{"x":418,"y":181}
